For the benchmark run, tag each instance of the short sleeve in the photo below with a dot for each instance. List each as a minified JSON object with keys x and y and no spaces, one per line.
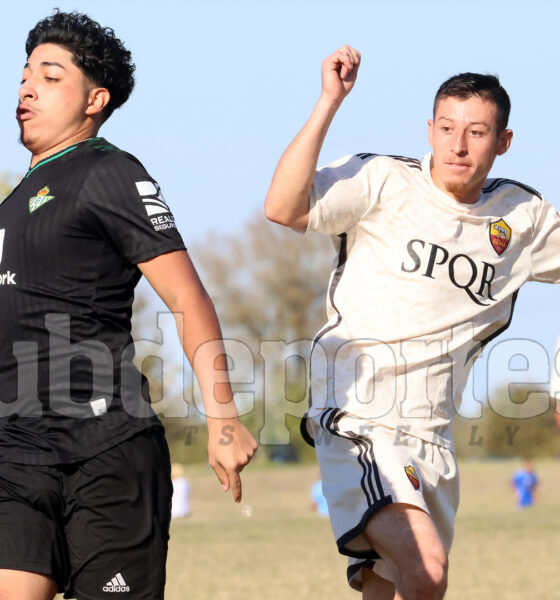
{"x":545,"y":250}
{"x":341,"y":194}
{"x":121,"y":202}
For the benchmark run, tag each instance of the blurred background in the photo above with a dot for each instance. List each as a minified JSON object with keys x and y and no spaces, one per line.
{"x":222,"y":88}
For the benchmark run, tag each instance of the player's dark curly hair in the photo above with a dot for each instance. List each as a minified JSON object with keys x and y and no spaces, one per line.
{"x":487,"y":87}
{"x":96,"y":50}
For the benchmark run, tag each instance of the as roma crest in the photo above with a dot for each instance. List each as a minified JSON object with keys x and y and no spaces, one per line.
{"x":500,"y":234}
{"x":412,"y":477}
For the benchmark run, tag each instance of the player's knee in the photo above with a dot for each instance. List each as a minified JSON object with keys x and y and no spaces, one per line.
{"x":426,"y":580}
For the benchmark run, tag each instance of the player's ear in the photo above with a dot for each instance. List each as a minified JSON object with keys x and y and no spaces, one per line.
{"x":504,"y":141}
{"x":98,"y":98}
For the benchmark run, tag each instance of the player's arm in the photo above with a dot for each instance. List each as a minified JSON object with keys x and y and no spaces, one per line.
{"x":287,"y":200}
{"x":230,"y":445}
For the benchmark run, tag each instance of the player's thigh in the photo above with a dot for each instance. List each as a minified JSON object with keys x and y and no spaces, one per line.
{"x":119,"y":527}
{"x":406,"y":537}
{"x":23,"y":585}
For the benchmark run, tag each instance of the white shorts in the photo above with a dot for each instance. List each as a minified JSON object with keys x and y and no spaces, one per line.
{"x":366,"y":466}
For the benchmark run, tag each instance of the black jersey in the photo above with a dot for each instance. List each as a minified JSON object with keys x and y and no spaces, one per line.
{"x":71,"y":235}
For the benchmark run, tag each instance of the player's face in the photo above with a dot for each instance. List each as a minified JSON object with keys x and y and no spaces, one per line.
{"x":54,"y":101}
{"x":465,"y":140}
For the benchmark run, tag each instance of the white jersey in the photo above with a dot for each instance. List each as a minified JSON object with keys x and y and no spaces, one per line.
{"x":422,"y":283}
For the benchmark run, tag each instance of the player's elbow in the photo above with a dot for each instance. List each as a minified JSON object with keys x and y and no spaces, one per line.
{"x":274,"y":212}
{"x":284,"y":213}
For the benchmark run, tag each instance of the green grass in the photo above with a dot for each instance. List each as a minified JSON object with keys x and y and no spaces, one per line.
{"x":284,"y":551}
{"x":499,"y":550}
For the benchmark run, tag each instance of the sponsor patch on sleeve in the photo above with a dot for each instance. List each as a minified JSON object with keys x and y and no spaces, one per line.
{"x":155,"y":205}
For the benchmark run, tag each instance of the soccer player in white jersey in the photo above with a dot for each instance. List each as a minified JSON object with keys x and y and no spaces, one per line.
{"x":431,"y":255}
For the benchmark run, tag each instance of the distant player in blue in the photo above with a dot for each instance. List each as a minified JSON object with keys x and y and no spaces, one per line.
{"x":524,"y":483}
{"x":319,"y":501}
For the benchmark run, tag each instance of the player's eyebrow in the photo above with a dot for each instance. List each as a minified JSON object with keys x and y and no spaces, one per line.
{"x":470,"y":122}
{"x":46,"y":63}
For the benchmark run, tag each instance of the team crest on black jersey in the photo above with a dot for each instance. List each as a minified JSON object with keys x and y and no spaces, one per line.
{"x":43,"y":196}
{"x":500,"y":234}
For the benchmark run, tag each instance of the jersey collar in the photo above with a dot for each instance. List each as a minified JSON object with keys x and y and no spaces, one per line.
{"x":58,"y":155}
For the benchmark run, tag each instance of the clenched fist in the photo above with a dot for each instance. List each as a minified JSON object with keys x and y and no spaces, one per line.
{"x":339,"y":72}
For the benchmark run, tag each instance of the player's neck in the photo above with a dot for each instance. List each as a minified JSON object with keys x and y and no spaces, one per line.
{"x":81,"y":136}
{"x":459,"y":193}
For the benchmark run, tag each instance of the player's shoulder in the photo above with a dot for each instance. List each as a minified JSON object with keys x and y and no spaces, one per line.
{"x":387,"y":166}
{"x":391,"y":161}
{"x":371,"y":164}
{"x":510,"y":187}
{"x":111,"y":171}
{"x":106,"y":155}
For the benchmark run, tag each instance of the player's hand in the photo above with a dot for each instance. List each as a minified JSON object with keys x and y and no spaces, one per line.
{"x":339,"y":72}
{"x":230,"y":448}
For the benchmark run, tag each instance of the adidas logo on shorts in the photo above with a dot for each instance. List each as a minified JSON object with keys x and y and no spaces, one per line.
{"x":117,"y":584}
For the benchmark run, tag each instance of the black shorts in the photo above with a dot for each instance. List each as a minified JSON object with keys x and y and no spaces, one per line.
{"x":99,"y":528}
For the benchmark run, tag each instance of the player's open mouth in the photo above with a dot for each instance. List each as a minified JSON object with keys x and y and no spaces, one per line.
{"x":24,"y":114}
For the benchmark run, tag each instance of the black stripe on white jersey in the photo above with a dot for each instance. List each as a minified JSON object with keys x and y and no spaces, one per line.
{"x":342,"y":256}
{"x":496,"y":183}
{"x":414,"y":163}
{"x":410,"y":162}
{"x":480,"y":346}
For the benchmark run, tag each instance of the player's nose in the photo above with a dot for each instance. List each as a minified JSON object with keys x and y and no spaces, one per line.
{"x":27,"y":90}
{"x":460,"y":144}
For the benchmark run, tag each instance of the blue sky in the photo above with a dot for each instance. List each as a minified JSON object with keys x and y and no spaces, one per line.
{"x":222,"y":87}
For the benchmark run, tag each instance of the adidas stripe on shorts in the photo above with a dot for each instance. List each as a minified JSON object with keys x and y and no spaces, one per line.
{"x":366,"y":466}
{"x":99,"y":527}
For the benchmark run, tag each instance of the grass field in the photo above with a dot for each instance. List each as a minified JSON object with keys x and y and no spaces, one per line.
{"x":284,"y":551}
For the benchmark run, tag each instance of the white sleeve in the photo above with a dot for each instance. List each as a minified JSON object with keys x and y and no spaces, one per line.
{"x":545,"y":250}
{"x":341,"y":194}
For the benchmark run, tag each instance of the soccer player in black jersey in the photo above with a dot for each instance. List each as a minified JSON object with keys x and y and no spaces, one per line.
{"x":84,"y":471}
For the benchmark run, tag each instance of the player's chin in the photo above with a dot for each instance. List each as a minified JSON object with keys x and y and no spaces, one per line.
{"x":27,"y":139}
{"x":457,"y":187}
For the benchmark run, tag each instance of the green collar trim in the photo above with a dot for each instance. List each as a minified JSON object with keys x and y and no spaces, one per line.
{"x":58,"y":155}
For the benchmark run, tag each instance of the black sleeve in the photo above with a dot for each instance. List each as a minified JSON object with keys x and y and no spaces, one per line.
{"x":120,"y":201}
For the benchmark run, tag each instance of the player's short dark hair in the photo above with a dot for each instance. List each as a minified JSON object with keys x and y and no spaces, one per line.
{"x":487,"y":87}
{"x":96,"y":51}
